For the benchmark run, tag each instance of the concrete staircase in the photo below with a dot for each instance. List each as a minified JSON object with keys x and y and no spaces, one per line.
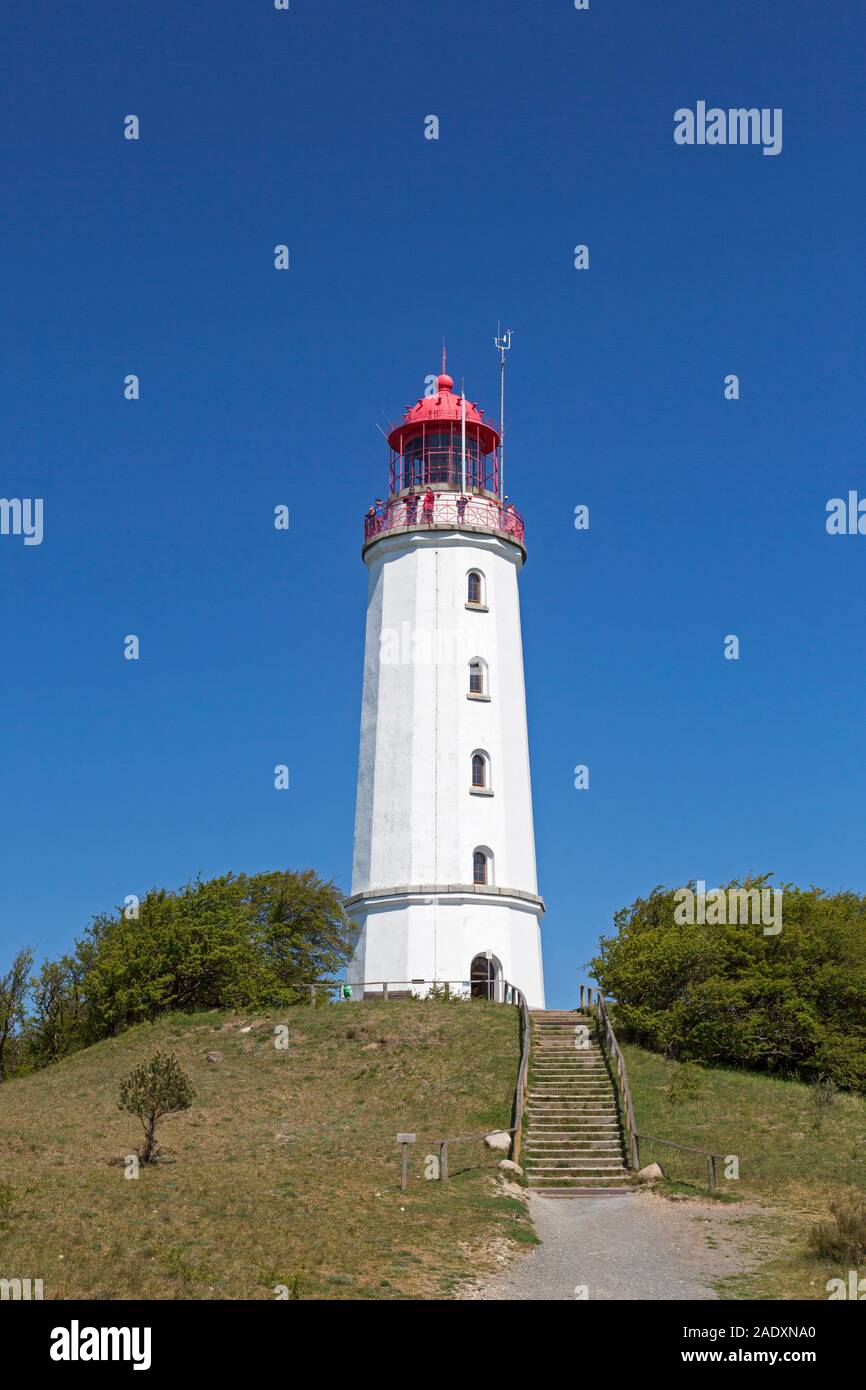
{"x":573,"y":1144}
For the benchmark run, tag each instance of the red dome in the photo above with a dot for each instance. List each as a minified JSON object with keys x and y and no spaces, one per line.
{"x":443,"y":408}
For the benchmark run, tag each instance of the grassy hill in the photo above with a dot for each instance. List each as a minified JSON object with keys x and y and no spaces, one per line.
{"x":285,"y":1170}
{"x":793,"y":1169}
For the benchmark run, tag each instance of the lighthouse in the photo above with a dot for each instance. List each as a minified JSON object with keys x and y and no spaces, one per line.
{"x":443,"y":878}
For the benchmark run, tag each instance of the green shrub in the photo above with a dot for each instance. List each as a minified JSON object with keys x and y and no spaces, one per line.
{"x":153,"y":1090}
{"x":842,"y":1240}
{"x":686,"y":1083}
{"x":792,"y":1003}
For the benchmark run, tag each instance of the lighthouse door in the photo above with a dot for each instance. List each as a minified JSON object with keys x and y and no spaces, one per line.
{"x":484,"y":975}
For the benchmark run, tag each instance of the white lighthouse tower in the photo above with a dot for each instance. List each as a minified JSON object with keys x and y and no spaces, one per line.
{"x":443,"y":879}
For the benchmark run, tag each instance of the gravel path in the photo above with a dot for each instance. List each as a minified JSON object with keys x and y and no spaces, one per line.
{"x":635,"y":1247}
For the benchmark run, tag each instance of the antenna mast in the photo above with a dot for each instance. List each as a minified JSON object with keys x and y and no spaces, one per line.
{"x":502,"y":345}
{"x":462,"y":438}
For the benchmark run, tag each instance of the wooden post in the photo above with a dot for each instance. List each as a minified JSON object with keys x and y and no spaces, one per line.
{"x":636,"y":1138}
{"x":711,"y":1171}
{"x":404,"y":1140}
{"x":385,"y":991}
{"x":443,"y":1160}
{"x":312,"y":996}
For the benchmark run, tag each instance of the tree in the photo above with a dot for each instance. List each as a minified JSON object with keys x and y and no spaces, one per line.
{"x":239,"y":942}
{"x":14,"y":987}
{"x":792,"y":1003}
{"x":233,"y":942}
{"x":56,"y":1026}
{"x":153,"y":1090}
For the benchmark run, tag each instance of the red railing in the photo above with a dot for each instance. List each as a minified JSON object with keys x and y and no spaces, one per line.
{"x":405,"y":513}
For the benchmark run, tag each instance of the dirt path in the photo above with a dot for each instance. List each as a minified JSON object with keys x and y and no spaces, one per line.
{"x":635,"y":1247}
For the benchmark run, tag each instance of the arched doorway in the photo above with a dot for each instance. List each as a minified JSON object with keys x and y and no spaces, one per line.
{"x":485,"y":975}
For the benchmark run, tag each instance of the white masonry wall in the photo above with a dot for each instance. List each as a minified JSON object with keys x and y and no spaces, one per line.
{"x":417,"y":821}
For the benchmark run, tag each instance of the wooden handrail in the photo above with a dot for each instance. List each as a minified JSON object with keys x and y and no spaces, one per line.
{"x":510,"y":994}
{"x":615,"y":1055}
{"x":522,"y":1073}
{"x":633,"y":1135}
{"x":500,"y":987}
{"x":687,"y":1148}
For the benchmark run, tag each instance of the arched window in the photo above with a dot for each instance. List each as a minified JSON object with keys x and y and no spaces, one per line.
{"x":479,"y":867}
{"x":479,"y":770}
{"x":477,"y":676}
{"x":475,"y":589}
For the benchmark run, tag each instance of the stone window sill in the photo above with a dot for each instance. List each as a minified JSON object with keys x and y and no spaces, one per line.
{"x":471,"y":695}
{"x":478,"y":607}
{"x":480,"y":791}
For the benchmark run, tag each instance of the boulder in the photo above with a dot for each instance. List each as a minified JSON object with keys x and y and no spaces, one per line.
{"x":214,"y":1056}
{"x":506,"y":1166}
{"x":651,"y":1173}
{"x":499,"y":1141}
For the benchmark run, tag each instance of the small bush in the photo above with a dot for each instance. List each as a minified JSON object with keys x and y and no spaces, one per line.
{"x":842,"y":1240}
{"x":823,"y":1094}
{"x":686,"y":1084}
{"x":157,"y":1088}
{"x":440,"y":994}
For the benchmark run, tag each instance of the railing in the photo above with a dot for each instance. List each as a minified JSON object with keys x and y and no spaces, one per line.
{"x":633,"y":1136}
{"x":383,"y":988}
{"x":401,"y":989}
{"x":522,"y":1074}
{"x":615,"y":1056}
{"x":510,"y":995}
{"x":501,"y":991}
{"x":687,"y":1148}
{"x":448,"y":509}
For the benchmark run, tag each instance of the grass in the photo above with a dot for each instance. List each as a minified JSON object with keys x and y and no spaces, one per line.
{"x":793,"y":1170}
{"x":285,"y":1171}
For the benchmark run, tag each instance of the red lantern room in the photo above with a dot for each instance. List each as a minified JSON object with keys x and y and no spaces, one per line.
{"x":427,"y":447}
{"x":444,"y":471}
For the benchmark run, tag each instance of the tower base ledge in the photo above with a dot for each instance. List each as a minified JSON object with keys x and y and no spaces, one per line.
{"x":417,"y":933}
{"x":456,"y":892}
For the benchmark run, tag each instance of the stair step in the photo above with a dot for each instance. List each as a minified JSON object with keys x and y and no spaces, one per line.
{"x":566,"y":1127}
{"x":592,"y":1146}
{"x":548,"y":1193}
{"x":572,"y":1125}
{"x":592,"y":1110}
{"x":573,"y":1145}
{"x":576,"y":1165}
{"x":587,"y":1179}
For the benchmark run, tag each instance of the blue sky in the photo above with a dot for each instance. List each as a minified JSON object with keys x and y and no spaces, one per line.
{"x":707,"y":516}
